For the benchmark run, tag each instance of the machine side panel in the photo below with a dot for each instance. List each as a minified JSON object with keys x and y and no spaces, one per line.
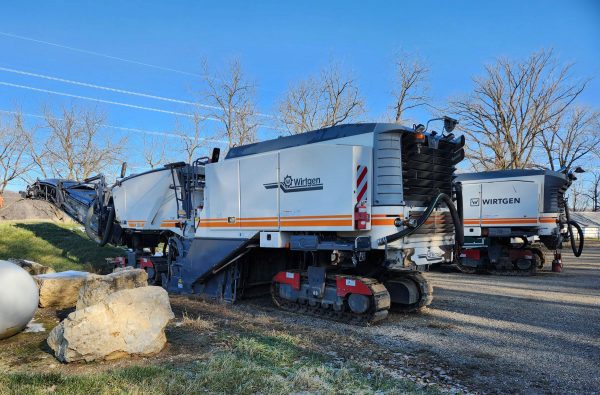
{"x":317,"y":188}
{"x":222,"y":208}
{"x":509,"y":203}
{"x":387,"y":178}
{"x":146,"y":202}
{"x":472,"y":209}
{"x":259,"y":194}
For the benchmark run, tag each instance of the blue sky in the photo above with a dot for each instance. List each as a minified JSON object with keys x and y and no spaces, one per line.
{"x":278,"y":43}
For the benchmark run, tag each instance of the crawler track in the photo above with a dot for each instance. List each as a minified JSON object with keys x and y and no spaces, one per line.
{"x":531,"y":271}
{"x":425,"y":291}
{"x":380,"y":304}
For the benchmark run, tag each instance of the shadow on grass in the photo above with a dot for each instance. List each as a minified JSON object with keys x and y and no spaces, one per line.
{"x":64,"y":248}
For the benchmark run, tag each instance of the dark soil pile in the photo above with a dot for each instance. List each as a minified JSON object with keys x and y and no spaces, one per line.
{"x":16,"y":208}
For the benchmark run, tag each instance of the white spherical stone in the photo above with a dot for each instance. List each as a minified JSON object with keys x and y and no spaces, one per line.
{"x":19,"y":297}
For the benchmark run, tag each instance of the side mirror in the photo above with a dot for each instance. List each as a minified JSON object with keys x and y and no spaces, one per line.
{"x":214,"y":157}
{"x":123,"y":169}
{"x":578,"y":169}
{"x":450,"y":124}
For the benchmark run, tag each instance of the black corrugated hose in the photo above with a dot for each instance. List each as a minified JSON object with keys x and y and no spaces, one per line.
{"x":577,"y":250}
{"x":107,"y":230}
{"x":456,"y":221}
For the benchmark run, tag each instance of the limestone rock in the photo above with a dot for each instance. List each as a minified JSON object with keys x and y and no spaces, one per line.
{"x":32,"y":267}
{"x":127,"y":322}
{"x":97,"y":288}
{"x":61,"y":289}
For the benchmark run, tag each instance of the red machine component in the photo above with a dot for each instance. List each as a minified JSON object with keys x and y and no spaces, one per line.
{"x":120,"y":261}
{"x":361,"y":217}
{"x":145,"y":262}
{"x":471,"y":254}
{"x":557,"y":264}
{"x":347,"y":285}
{"x":515,"y":254}
{"x":291,"y":278}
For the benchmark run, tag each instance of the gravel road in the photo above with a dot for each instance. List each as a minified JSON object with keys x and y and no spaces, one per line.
{"x":512,"y":334}
{"x":498,"y":334}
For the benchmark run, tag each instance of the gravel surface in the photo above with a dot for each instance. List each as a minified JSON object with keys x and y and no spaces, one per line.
{"x":482,"y":334}
{"x":496,"y":334}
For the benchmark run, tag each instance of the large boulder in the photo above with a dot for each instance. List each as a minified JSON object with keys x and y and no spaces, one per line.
{"x":127,"y":322}
{"x":96,"y":288}
{"x":18,"y":299}
{"x":32,"y":267}
{"x":60,"y":290}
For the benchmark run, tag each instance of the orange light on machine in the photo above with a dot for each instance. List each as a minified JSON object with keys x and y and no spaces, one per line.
{"x":420,"y":137}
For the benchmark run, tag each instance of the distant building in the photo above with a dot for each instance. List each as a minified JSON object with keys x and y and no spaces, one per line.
{"x":589,"y":222}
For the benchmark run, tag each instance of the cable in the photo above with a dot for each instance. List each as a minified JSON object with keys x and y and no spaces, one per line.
{"x":104,"y":101}
{"x":117,"y":90}
{"x":106,"y":88}
{"x":135,"y":130}
{"x":101,"y":54}
{"x":122,"y":104}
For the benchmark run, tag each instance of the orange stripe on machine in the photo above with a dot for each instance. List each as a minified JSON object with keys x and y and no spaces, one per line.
{"x":493,"y":221}
{"x":272,"y":222}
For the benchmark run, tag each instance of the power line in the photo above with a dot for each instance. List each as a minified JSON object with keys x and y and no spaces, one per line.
{"x":101,"y":55}
{"x":117,"y":90}
{"x":106,"y":88}
{"x":154,"y":109}
{"x":120,"y":103}
{"x":126,"y":129}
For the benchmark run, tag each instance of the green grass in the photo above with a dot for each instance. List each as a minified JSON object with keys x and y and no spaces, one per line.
{"x":241,"y":361}
{"x":250,"y":363}
{"x":63,"y":247}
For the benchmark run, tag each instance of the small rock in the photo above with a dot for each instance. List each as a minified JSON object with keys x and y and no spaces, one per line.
{"x":32,"y":267}
{"x":60,"y":289}
{"x":96,"y":287}
{"x":127,"y":322}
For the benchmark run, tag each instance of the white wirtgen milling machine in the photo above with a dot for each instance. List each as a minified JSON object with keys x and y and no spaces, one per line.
{"x":335,"y":222}
{"x":510,"y":215}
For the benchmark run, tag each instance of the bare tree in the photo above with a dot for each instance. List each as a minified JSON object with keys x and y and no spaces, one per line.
{"x":574,"y":137}
{"x":14,"y":161}
{"x":233,"y":98}
{"x":74,"y":148}
{"x":153,"y":152}
{"x":321,"y":102}
{"x":511,"y":106}
{"x":593,"y":192}
{"x":412,"y":75}
{"x":192,"y":144}
{"x":302,"y":108}
{"x":578,"y":198}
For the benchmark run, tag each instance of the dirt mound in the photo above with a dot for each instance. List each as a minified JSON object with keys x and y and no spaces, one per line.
{"x":17,"y":208}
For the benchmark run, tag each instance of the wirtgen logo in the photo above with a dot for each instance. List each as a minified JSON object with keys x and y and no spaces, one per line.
{"x":502,"y":201}
{"x":300,"y":184}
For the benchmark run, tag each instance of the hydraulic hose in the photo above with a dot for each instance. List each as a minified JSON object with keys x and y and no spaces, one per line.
{"x":107,"y":229}
{"x":456,"y":221}
{"x":577,"y":250}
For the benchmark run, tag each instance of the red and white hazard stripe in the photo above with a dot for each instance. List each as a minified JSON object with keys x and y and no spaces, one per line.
{"x":361,"y":184}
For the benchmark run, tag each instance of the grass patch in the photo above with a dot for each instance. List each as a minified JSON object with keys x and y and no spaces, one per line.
{"x":61,"y":246}
{"x":249,"y":363}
